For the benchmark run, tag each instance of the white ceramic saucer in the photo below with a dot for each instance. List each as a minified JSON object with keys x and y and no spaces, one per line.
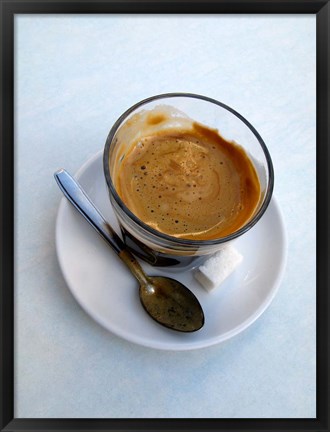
{"x":107,"y":291}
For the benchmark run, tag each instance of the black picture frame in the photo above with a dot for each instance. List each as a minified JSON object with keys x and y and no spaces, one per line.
{"x":8,"y":8}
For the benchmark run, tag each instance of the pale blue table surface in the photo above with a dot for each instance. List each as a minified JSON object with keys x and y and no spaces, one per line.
{"x":74,"y":75}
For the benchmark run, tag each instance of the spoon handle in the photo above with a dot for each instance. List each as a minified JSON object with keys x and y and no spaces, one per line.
{"x":75,"y":194}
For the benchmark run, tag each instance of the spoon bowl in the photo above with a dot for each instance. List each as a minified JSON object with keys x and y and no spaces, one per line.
{"x":166,"y":300}
{"x":171,"y":304}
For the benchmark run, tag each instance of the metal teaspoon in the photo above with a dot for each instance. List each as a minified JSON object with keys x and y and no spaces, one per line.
{"x":166,"y":300}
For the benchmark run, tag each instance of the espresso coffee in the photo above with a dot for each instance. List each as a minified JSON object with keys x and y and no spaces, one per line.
{"x":188,"y":183}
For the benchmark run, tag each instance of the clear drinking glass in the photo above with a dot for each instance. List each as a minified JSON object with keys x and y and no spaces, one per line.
{"x":155,"y":247}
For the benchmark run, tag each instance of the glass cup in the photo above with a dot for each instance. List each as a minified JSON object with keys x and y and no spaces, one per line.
{"x":157,"y":248}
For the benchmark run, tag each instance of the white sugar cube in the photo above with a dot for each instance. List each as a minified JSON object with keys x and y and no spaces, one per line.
{"x":218,"y":267}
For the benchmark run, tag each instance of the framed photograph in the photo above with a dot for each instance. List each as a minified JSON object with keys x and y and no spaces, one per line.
{"x":180,"y":100}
